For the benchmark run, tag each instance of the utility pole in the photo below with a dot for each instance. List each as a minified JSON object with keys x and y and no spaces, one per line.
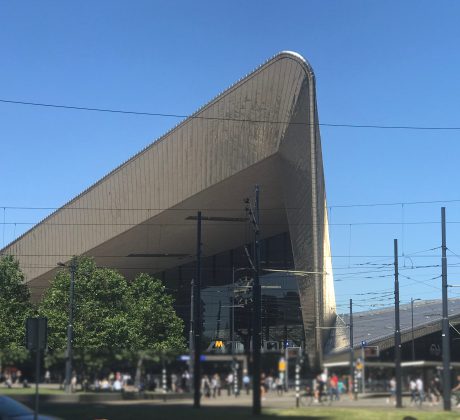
{"x":69,"y":351}
{"x":412,"y":329}
{"x":352,"y":356}
{"x":412,"y":300}
{"x":286,"y":357}
{"x":197,"y":320}
{"x":446,"y":391}
{"x":191,"y":336}
{"x":397,"y":332}
{"x":256,"y":405}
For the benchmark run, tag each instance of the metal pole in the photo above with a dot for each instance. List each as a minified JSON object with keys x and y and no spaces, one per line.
{"x":233,"y":313}
{"x":397,"y":332}
{"x":363,"y":377}
{"x":256,"y":406}
{"x":69,"y":350}
{"x":445,"y":320}
{"x":412,"y":329}
{"x":191,"y":332}
{"x":37,"y":376}
{"x":286,"y":358}
{"x":197,"y":320}
{"x":352,"y":356}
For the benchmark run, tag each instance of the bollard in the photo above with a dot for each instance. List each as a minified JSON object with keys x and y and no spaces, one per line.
{"x":236,"y":390}
{"x":297,"y":385}
{"x":164,"y":383}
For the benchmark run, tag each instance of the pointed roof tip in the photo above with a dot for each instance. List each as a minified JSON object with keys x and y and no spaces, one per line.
{"x":293,"y":53}
{"x":297,"y":56}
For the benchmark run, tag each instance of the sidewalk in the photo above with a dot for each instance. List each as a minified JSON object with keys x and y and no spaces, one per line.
{"x":288,"y":400}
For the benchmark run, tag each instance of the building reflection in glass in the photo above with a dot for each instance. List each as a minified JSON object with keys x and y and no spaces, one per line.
{"x":227,"y":298}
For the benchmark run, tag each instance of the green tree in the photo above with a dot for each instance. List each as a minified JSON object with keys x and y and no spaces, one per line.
{"x":15,"y":307}
{"x":111,"y":316}
{"x":100,"y":311}
{"x":155,"y":329}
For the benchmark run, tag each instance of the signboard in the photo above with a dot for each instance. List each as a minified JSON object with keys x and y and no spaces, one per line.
{"x":293,"y":352}
{"x":36,"y":334}
{"x":371,"y":351}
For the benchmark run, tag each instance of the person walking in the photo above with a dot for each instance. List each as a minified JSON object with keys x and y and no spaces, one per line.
{"x":214,"y":385}
{"x":246,"y":381}
{"x":334,"y":387}
{"x":456,"y":391}
{"x":392,"y":398}
{"x":420,"y":390}
{"x":279,"y":386}
{"x":413,"y":391}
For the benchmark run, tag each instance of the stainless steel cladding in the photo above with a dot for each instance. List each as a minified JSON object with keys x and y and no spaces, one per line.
{"x":262,"y":130}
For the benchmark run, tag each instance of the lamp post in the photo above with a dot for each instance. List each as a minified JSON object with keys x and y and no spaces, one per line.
{"x":69,"y":351}
{"x":412,"y":300}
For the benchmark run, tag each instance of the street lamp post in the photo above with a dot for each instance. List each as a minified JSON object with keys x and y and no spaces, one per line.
{"x":412,"y":300}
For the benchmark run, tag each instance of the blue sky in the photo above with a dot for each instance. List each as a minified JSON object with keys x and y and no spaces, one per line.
{"x":386,"y":63}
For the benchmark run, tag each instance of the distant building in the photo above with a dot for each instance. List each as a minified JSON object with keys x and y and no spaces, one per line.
{"x":374,"y":340}
{"x":262,"y":131}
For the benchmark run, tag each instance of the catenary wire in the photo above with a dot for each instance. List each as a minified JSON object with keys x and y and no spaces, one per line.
{"x":201,"y":117}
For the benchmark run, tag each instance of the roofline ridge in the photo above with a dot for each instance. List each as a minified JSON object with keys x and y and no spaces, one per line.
{"x":280,"y":55}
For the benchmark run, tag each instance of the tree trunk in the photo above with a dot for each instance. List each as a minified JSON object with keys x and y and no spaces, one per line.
{"x":139,"y":365}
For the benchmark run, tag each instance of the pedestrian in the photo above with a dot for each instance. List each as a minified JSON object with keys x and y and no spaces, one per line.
{"x":73,"y":383}
{"x":392,"y":391}
{"x":214,"y":385}
{"x":456,"y":391}
{"x":246,"y":381}
{"x":413,"y":391}
{"x":333,"y":385}
{"x":262,"y":387}
{"x":205,"y":386}
{"x":433,"y":392}
{"x":229,"y":383}
{"x":420,"y":390}
{"x":173,"y":382}
{"x":319,"y":389}
{"x":279,"y":386}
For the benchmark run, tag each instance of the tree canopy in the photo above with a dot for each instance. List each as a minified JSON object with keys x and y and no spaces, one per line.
{"x":153,"y":322}
{"x":111,"y":315}
{"x":15,"y":306}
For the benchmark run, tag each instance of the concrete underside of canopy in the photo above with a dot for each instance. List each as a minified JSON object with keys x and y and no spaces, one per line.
{"x":171,"y":233}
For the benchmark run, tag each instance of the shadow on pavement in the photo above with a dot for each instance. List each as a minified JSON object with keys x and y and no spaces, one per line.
{"x":156,"y":412}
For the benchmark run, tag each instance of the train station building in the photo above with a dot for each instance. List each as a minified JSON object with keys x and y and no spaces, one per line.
{"x":263,"y":130}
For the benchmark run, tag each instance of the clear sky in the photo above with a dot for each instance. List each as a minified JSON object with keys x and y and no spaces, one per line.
{"x":384,"y":63}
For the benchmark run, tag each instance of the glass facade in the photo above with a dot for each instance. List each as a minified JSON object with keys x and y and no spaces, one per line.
{"x":226,"y":298}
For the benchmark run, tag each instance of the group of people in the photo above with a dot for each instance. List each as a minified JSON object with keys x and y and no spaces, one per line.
{"x":212,"y":386}
{"x":271,"y":383}
{"x":419,"y":393}
{"x":325,"y":386}
{"x":11,"y":377}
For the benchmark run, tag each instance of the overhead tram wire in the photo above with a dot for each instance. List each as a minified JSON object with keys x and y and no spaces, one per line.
{"x":45,"y":223}
{"x":200,"y":117}
{"x":396,"y":203}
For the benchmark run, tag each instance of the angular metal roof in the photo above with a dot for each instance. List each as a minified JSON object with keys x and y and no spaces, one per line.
{"x":262,"y":130}
{"x":376,"y":327}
